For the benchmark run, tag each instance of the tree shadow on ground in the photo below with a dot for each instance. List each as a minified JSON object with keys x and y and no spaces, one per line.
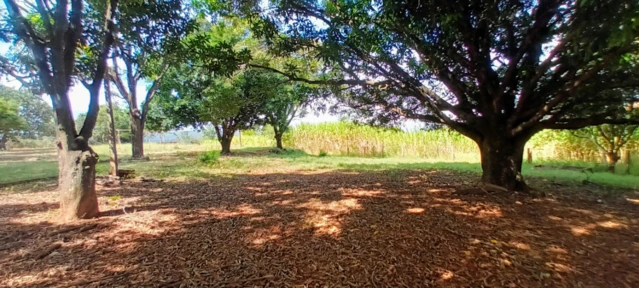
{"x":337,"y":228}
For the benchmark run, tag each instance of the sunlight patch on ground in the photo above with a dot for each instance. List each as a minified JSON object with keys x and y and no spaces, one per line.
{"x":153,"y":223}
{"x":582,"y":230}
{"x":633,"y":200}
{"x":556,"y":249}
{"x":463,"y":208}
{"x":415,"y":210}
{"x":445,"y":275}
{"x":31,"y":280}
{"x":519,"y":245}
{"x":612,"y":225}
{"x":554,"y":218}
{"x":240,"y":210}
{"x":558,"y":267}
{"x":360,"y":192}
{"x":325,"y":217}
{"x":264,"y":235}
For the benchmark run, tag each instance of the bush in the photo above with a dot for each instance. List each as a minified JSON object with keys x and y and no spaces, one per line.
{"x":209,"y":157}
{"x":323,"y":153}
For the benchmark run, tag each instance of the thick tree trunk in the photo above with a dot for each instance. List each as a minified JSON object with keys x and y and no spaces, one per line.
{"x":501,"y":160}
{"x":612,"y":159}
{"x":137,"y":143}
{"x":76,"y":180}
{"x":278,"y":140}
{"x":226,"y":145}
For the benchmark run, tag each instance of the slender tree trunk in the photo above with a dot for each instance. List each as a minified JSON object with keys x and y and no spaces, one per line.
{"x":76,"y":179}
{"x":113,"y":159}
{"x":225,"y":141}
{"x":501,"y":160}
{"x":3,"y":142}
{"x":278,"y":140}
{"x":625,"y":159}
{"x":137,"y":143}
{"x":612,"y":159}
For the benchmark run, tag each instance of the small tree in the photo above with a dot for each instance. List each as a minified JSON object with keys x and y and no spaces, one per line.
{"x":149,"y":32}
{"x":211,"y":87}
{"x":609,"y":139}
{"x":228,"y":104}
{"x":10,"y":121}
{"x":285,"y":105}
{"x":53,"y":34}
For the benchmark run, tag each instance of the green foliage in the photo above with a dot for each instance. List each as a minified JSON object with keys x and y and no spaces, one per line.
{"x":579,"y":145}
{"x":10,"y":120}
{"x":207,"y":86}
{"x":209,"y":157}
{"x":495,"y":71}
{"x":287,"y":103}
{"x":101,"y":130}
{"x":36,"y":113}
{"x":322,"y":153}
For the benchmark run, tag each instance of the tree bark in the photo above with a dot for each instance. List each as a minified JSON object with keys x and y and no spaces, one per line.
{"x":137,"y":132}
{"x":226,"y":145}
{"x":3,"y":142}
{"x":278,"y":140}
{"x":612,"y":159}
{"x":627,"y":160}
{"x":76,"y":181}
{"x":501,"y":160}
{"x":113,"y":159}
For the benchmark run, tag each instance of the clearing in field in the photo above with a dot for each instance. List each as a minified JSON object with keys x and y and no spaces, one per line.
{"x":258,"y":219}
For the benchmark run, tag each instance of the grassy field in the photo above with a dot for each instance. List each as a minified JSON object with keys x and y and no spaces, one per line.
{"x":180,"y":160}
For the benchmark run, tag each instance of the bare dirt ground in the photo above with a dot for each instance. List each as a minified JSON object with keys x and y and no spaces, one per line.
{"x":320,"y":229}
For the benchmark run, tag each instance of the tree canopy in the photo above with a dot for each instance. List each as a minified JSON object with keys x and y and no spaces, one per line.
{"x":37,"y":114}
{"x":10,"y":120}
{"x":496,"y":71}
{"x":148,"y":43}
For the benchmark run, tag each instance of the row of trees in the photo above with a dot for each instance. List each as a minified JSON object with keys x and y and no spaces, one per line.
{"x":496,"y":71}
{"x":203,"y":91}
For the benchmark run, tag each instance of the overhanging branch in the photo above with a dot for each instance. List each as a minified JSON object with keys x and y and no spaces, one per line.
{"x":578,"y":123}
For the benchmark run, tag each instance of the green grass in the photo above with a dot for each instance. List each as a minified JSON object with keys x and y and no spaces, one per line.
{"x":12,"y":172}
{"x":185,"y":164}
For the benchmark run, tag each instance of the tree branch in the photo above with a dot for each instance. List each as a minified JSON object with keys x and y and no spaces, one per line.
{"x":101,"y":69}
{"x":578,"y":123}
{"x":151,"y":93}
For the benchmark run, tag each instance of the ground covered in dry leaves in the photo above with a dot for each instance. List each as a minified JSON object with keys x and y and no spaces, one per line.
{"x":321,"y":229}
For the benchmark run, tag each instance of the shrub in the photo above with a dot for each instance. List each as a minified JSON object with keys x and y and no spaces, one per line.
{"x":323,"y":153}
{"x":209,"y":157}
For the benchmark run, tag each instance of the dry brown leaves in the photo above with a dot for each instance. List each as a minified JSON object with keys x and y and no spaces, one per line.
{"x":318,"y":229}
